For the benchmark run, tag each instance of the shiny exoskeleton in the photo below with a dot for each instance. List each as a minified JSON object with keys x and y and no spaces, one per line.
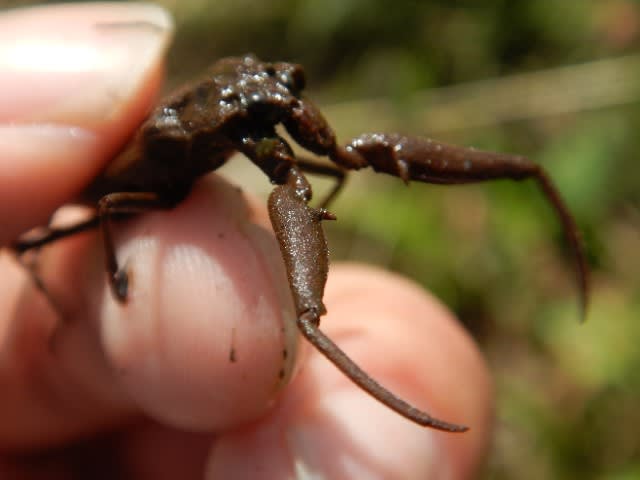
{"x":236,"y":106}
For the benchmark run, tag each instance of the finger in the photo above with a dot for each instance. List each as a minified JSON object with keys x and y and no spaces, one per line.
{"x":205,"y":341}
{"x":219,"y":339}
{"x":326,"y":427}
{"x":74,"y":82}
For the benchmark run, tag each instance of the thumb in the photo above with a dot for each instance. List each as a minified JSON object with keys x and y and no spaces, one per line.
{"x":74,"y":82}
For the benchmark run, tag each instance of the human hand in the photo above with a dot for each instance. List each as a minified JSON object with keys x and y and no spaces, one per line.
{"x":148,"y":389}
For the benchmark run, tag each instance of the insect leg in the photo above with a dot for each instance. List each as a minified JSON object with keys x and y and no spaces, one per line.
{"x":304,"y":249}
{"x":308,"y":325}
{"x":317,"y":168}
{"x":50,"y":235}
{"x":53,"y":234}
{"x":110,"y":206}
{"x":426,"y":160}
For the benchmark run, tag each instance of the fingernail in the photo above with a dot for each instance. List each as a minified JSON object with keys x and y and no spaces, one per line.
{"x":76,"y":63}
{"x":372,"y":442}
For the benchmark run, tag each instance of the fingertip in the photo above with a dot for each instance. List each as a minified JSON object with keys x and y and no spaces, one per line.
{"x":207,"y":339}
{"x":326,"y":427}
{"x":78,"y":64}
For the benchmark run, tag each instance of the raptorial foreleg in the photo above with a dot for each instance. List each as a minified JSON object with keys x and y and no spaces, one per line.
{"x":426,"y":160}
{"x":304,"y":249}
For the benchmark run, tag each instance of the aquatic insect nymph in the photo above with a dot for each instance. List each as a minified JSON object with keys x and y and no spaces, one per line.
{"x":236,"y":106}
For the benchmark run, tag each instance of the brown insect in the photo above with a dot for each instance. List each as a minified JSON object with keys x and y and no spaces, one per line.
{"x":236,"y":107}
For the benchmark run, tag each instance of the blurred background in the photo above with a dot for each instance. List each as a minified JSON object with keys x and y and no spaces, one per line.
{"x":556,"y":81}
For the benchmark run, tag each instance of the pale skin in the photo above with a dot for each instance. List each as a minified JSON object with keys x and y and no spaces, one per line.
{"x":132,"y":383}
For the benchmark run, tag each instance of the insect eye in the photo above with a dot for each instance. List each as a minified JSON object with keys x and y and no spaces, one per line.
{"x":292,"y":77}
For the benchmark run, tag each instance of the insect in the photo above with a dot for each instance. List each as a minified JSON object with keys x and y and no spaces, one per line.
{"x":236,"y":106}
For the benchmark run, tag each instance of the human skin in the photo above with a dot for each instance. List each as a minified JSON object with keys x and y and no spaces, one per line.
{"x":151,"y":389}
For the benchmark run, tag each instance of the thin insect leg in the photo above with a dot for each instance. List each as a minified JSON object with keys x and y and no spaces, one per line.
{"x":53,"y":234}
{"x":572,"y":235}
{"x":50,"y":235}
{"x":39,"y":284}
{"x":317,"y":168}
{"x":110,"y":206}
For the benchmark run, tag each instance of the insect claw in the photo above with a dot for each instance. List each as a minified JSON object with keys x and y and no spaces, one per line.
{"x":308,"y":323}
{"x":403,"y":171}
{"x":327,"y":215}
